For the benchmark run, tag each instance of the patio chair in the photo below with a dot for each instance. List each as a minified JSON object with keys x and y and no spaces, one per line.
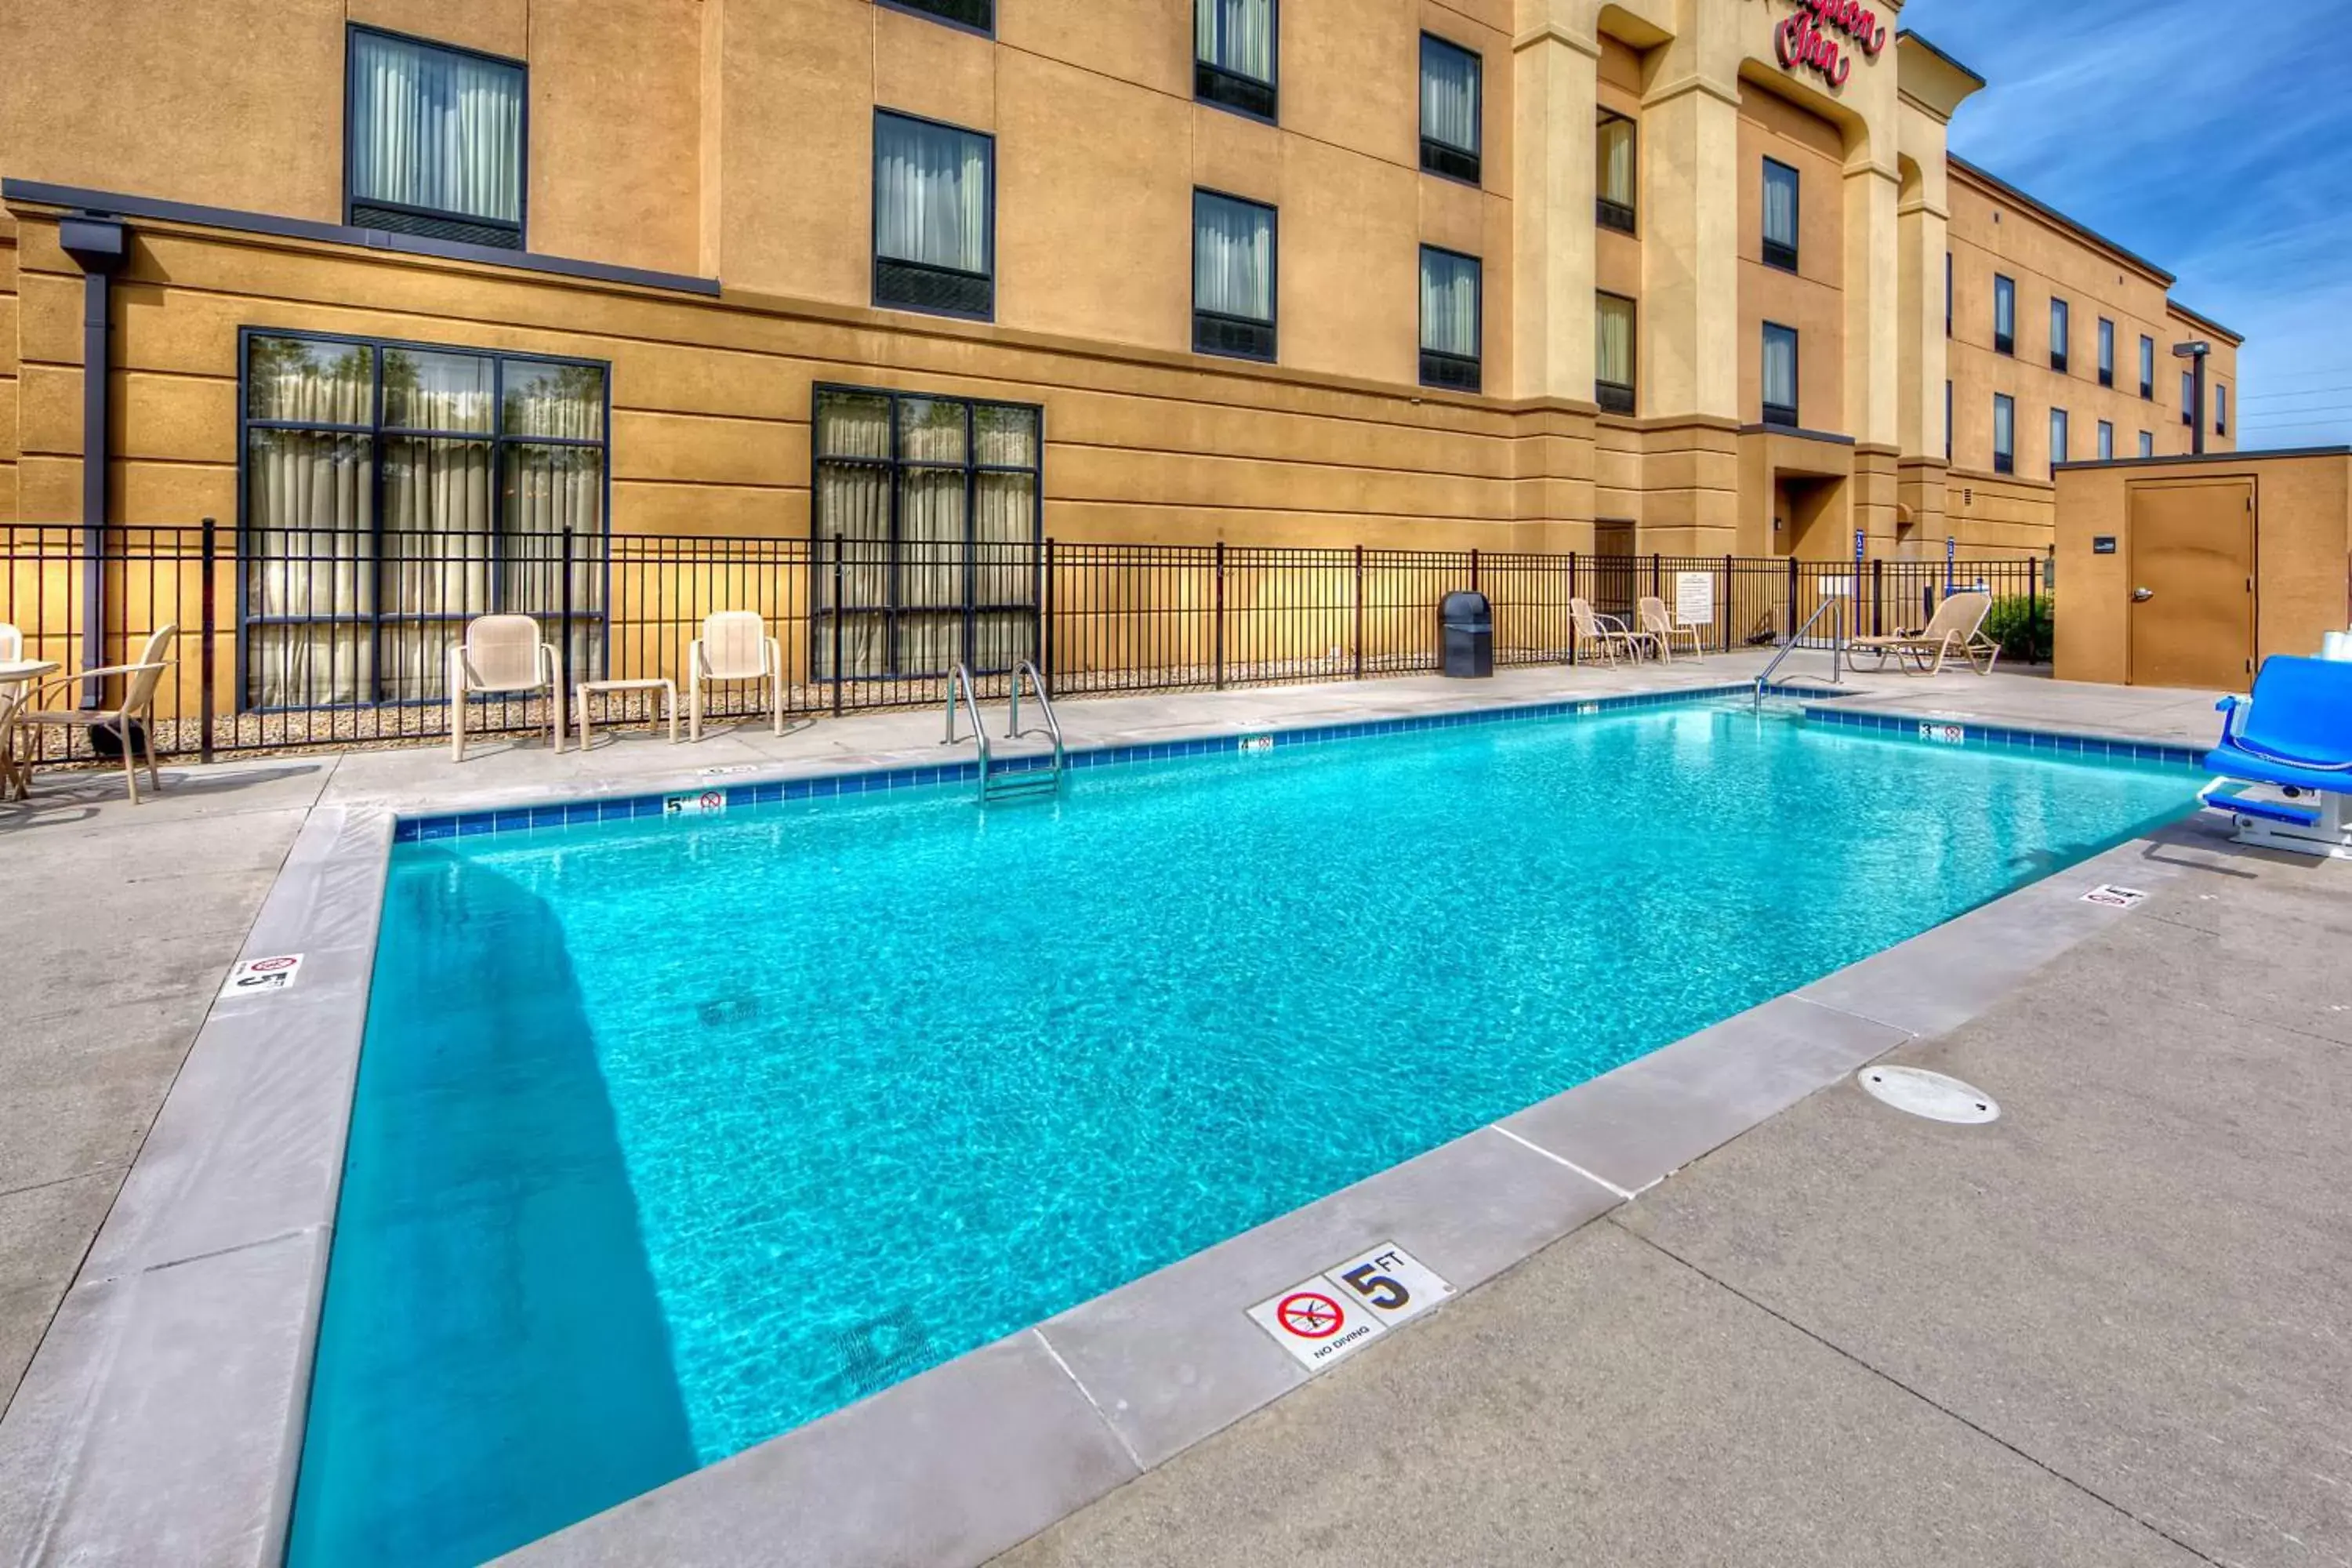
{"x":12,"y":644}
{"x":139,"y":679}
{"x":503,"y":656}
{"x":734,"y":647}
{"x":1956,"y":627}
{"x":1606,"y":633}
{"x":1651,"y":611}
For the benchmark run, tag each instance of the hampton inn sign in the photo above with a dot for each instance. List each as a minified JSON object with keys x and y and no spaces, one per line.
{"x":1807,"y":37}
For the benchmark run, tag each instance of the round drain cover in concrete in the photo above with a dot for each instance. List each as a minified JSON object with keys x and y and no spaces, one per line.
{"x":1928,"y":1094}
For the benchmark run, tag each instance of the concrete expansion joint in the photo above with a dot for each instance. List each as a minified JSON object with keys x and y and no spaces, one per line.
{"x":1888,"y":1378}
{"x":322,"y":1228}
{"x":1092,"y":1403}
{"x":1601,"y":1182}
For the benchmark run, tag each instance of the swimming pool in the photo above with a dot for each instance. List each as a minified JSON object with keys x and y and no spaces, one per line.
{"x":672,"y":1135}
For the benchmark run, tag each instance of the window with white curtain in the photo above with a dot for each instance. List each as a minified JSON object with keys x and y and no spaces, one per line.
{"x":1233,"y":277}
{"x":1613,"y":352}
{"x":2148,"y":368}
{"x":2188,"y":397}
{"x":2106,"y":352}
{"x":2058,"y":439}
{"x":1234,"y":48}
{"x":1449,"y":109}
{"x":1450,"y":327}
{"x":2107,"y":442}
{"x":394,"y":490}
{"x":2060,"y":333}
{"x":2004,"y":434}
{"x":2004,"y":314}
{"x":926,"y":515}
{"x":435,"y":139}
{"x":1780,"y":216}
{"x":934,"y":210}
{"x":1780,"y":377}
{"x":1612,"y":173}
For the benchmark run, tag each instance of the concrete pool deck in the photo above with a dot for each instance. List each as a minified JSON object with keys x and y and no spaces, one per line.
{"x":183,"y":876}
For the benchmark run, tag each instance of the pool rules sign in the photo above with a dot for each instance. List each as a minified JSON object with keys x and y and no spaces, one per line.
{"x":1340,"y":1311}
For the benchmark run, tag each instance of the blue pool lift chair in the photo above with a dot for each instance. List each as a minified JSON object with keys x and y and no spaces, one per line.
{"x":2284,"y":760}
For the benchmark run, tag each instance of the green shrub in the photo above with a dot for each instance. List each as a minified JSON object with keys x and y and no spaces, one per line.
{"x":2022,"y":627}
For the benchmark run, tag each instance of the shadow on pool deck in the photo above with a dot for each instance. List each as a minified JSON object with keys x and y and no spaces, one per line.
{"x":493,"y":1362}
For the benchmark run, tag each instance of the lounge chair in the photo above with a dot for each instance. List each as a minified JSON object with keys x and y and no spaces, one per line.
{"x":503,"y":655}
{"x":139,"y":679}
{"x":2292,"y":741}
{"x":1956,"y":627}
{"x":734,"y":647}
{"x":1606,"y":633}
{"x":1651,"y":611}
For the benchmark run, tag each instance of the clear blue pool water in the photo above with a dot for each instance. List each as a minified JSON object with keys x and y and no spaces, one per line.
{"x":671,"y":1135}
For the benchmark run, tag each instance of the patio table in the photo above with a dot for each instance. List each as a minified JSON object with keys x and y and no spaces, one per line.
{"x":16,"y":674}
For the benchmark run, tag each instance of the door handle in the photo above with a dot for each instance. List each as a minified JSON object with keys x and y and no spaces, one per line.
{"x":2142,"y":596}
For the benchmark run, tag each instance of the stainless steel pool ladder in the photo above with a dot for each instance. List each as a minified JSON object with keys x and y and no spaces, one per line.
{"x":995,"y":784}
{"x":1837,"y":649}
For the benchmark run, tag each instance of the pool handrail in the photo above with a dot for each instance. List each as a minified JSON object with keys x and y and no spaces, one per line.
{"x":959,"y":685}
{"x":1837,"y":649}
{"x":1013,"y":730}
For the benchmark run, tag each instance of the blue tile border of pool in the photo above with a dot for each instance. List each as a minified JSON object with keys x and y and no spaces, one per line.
{"x":1970,"y":733}
{"x":821,"y":787}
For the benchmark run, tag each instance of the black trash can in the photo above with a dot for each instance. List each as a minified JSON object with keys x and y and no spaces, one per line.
{"x":1465,"y":635}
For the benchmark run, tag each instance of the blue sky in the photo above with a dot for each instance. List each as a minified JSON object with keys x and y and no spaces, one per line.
{"x":2215,"y":140}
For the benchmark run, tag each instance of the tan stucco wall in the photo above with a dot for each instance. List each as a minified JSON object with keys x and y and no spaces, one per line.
{"x":1812,"y":298}
{"x":2302,"y":552}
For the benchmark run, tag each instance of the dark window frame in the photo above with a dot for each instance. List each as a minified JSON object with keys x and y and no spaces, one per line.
{"x":2147,"y":443}
{"x":876,"y":261}
{"x":1947,"y":422}
{"x":2061,"y":451}
{"x":820,"y":620}
{"x":595,"y":622}
{"x":2221,"y":409}
{"x":2147,"y":369}
{"x":433,"y":222}
{"x":926,"y":10}
{"x":1209,"y":80}
{"x":1947,"y":296}
{"x":1620,"y":217}
{"x":1273,"y":322}
{"x":2061,"y":344}
{"x":2107,"y":351}
{"x":1783,"y":416}
{"x":2004,"y":462}
{"x":1441,"y":158}
{"x":1467,"y":374}
{"x":2189,"y":398}
{"x":2107,"y":439}
{"x":2004,"y":342}
{"x":1622,"y":397}
{"x":1782,"y":254}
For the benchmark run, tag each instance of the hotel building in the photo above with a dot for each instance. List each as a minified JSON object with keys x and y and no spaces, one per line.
{"x":1696,"y":277}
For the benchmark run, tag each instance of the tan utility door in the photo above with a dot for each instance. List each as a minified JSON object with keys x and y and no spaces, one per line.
{"x":2192,"y":585}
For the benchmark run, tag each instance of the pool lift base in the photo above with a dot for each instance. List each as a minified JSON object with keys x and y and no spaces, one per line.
{"x":2284,"y":817}
{"x":1035,"y":774}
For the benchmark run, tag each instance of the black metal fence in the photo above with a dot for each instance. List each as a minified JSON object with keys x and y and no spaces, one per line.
{"x":306,"y":638}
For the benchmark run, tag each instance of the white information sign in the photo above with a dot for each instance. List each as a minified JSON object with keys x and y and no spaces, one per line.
{"x":1695,"y":598}
{"x":1334,"y":1314}
{"x":1837,"y":587}
{"x":256,"y":975}
{"x":2107,"y":893}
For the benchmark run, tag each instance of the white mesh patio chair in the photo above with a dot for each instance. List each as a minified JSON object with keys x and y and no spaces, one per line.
{"x":136,"y":702}
{"x":1606,"y":633}
{"x":503,"y":656}
{"x":734,"y":647}
{"x":1663,"y":630}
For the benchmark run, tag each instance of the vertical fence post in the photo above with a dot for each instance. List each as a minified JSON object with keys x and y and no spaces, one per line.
{"x":563,"y":646}
{"x":1730,"y":580}
{"x":834,"y":608}
{"x":1877,"y":595}
{"x":1657,"y":575}
{"x":205,"y":649}
{"x":1474,"y":568}
{"x":1569,"y":604}
{"x":1792,"y":598}
{"x":1045,"y":627}
{"x":1360,"y":612}
{"x":1217,"y":611}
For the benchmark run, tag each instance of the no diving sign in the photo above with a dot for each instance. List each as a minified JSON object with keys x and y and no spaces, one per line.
{"x":1339,"y":1311}
{"x":256,"y":975}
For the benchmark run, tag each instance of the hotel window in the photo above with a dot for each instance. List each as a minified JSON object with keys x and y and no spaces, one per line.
{"x":1779,"y":375}
{"x":2221,"y":409}
{"x":2106,"y":352}
{"x":2188,"y":397}
{"x":1948,"y":421}
{"x":2004,"y":434}
{"x":980,"y":15}
{"x":1780,"y":216}
{"x":2058,"y":334}
{"x":2148,"y":368}
{"x":1948,"y":297}
{"x":2057,"y":439}
{"x":934,"y":210}
{"x":1449,"y":110}
{"x":2107,"y":442}
{"x":2146,"y":445}
{"x":1615,"y":146}
{"x":434,"y":139}
{"x":1234,"y":44}
{"x":1614,"y":343}
{"x":1233,"y":277}
{"x":1449,"y":319}
{"x":2004,"y":315}
{"x":391,"y":491}
{"x":932,"y":505}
